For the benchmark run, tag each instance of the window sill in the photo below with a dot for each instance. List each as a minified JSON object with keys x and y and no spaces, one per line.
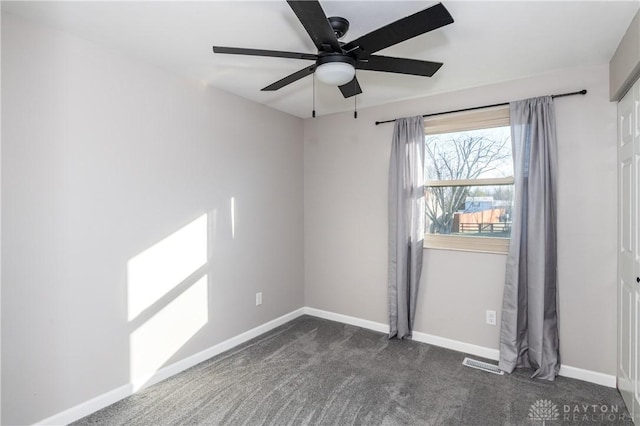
{"x":470,"y":244}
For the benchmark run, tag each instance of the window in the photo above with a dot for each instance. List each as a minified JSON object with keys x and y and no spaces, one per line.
{"x":469,"y":181}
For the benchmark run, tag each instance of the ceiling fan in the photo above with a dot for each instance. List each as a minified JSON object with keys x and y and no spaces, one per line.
{"x":336,"y":62}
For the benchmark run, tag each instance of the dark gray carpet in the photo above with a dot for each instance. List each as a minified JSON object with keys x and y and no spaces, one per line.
{"x":313,"y":371}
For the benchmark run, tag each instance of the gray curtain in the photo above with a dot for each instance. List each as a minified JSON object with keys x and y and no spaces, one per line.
{"x":529,"y":329}
{"x":406,"y":223}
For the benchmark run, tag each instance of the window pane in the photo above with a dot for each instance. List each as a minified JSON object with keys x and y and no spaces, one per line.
{"x":473,"y":154}
{"x":480,"y":211}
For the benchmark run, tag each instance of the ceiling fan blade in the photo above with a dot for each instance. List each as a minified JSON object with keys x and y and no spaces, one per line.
{"x":399,"y":65}
{"x":290,"y":78}
{"x":403,"y":29}
{"x":313,"y":19}
{"x":260,"y":52}
{"x":352,"y":88}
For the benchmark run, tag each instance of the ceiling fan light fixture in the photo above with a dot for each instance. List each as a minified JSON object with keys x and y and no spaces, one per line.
{"x":335,"y":70}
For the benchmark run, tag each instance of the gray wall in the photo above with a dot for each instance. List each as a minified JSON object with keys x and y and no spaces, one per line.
{"x":346,"y":164}
{"x":103,"y":158}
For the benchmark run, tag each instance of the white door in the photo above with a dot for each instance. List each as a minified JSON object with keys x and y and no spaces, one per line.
{"x":629,"y":250}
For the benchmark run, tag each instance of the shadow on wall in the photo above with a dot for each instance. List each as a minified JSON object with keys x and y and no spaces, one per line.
{"x":168,"y":296}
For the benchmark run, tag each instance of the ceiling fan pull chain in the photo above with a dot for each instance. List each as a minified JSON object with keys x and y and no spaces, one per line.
{"x":313,"y":112}
{"x":355,"y":100}
{"x":355,"y":107}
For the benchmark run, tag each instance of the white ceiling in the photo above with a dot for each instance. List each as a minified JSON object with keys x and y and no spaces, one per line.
{"x":487,"y":43}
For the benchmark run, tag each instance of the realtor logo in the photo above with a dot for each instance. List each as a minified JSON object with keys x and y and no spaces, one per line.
{"x":543,"y":410}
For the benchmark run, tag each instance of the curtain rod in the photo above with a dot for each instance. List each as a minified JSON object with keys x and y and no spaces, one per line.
{"x":561,"y":95}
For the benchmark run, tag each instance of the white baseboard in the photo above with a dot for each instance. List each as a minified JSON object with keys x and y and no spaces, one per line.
{"x":345,"y":319}
{"x":430,"y":339}
{"x":91,"y":406}
{"x":456,"y":345}
{"x":588,"y":376}
{"x":204,"y":355}
{"x":101,"y":401}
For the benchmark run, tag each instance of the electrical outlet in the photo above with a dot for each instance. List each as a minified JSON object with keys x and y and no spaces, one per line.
{"x":491,"y":317}
{"x":258,"y":299}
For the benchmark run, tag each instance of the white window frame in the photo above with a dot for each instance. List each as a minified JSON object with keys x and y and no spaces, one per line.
{"x":456,"y":122}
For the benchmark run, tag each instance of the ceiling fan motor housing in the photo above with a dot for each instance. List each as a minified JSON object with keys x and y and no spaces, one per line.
{"x":326,"y":58}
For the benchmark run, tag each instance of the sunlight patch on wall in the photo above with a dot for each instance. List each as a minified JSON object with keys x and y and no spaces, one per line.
{"x":154,"y":342}
{"x":157,"y":270}
{"x":233,"y":218}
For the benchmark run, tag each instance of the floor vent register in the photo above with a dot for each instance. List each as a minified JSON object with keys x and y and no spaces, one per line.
{"x":484,"y":366}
